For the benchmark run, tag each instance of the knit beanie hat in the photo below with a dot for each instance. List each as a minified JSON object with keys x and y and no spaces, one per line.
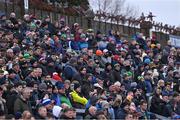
{"x":76,"y":85}
{"x":46,"y":102}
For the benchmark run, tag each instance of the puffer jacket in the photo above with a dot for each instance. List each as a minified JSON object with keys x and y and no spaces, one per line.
{"x":78,"y":99}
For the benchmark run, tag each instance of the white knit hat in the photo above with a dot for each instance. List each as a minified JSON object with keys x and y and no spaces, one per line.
{"x":56,"y":111}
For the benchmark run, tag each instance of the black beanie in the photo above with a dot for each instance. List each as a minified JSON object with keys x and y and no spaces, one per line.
{"x":76,"y":85}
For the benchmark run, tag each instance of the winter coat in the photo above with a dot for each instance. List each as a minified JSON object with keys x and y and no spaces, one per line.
{"x":77,"y":98}
{"x":116,"y":75}
{"x":148,"y":86}
{"x":89,"y":116}
{"x":3,"y":105}
{"x":2,"y":80}
{"x":11,"y":98}
{"x":111,"y":47}
{"x":86,"y":87}
{"x":108,"y":77}
{"x":69,"y":72}
{"x":29,"y":79}
{"x":166,"y":109}
{"x":146,"y":115}
{"x":21,"y":105}
{"x":156,"y":104}
{"x":120,"y":114}
{"x":65,"y":99}
{"x":38,"y":117}
{"x":142,"y":43}
{"x":116,"y":111}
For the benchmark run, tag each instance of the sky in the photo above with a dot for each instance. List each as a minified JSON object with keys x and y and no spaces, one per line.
{"x":166,"y":11}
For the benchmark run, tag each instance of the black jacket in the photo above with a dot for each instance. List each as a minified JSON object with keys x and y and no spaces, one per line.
{"x":156,"y":105}
{"x":116,"y":75}
{"x":11,"y":98}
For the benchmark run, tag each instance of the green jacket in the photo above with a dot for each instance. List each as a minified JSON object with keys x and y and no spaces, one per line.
{"x":66,"y":100}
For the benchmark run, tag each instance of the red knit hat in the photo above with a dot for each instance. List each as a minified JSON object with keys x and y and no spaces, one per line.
{"x":99,"y":52}
{"x":116,"y":57}
{"x":56,"y":76}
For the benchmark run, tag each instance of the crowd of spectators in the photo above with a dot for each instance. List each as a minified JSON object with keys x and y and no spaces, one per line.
{"x":57,"y":71}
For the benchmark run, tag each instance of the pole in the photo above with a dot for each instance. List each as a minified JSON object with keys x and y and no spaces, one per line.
{"x":5,"y":4}
{"x":26,"y":6}
{"x":13,"y":5}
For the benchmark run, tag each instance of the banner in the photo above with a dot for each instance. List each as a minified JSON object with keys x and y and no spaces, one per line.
{"x":175,"y":40}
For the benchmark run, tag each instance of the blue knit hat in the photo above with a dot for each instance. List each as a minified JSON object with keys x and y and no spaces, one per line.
{"x":59,"y":85}
{"x":46,"y":102}
{"x":147,"y":61}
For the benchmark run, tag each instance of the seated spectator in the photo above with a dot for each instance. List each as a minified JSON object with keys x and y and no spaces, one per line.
{"x":61,"y":97}
{"x":21,"y":104}
{"x":91,"y":113}
{"x":42,"y":113}
{"x":144,"y":113}
{"x":27,"y":115}
{"x":68,"y":113}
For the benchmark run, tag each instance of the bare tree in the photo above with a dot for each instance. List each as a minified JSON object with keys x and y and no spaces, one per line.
{"x":131,"y":11}
{"x":115,"y":7}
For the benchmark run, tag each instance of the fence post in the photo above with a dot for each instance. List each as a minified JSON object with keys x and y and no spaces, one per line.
{"x":99,"y":24}
{"x":68,"y":19}
{"x":105,"y":26}
{"x":13,"y":5}
{"x":74,"y":19}
{"x":41,"y":13}
{"x":111,"y":24}
{"x":81,"y":21}
{"x":34,"y":11}
{"x":5,"y":4}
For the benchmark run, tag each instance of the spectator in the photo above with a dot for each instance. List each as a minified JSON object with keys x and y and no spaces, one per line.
{"x":12,"y":95}
{"x":156,"y":102}
{"x":68,"y":113}
{"x":61,"y":97}
{"x":2,"y":102}
{"x":27,"y":115}
{"x":78,"y":101}
{"x":123,"y":111}
{"x":145,"y":114}
{"x":91,"y":113}
{"x":21,"y":103}
{"x":42,"y":113}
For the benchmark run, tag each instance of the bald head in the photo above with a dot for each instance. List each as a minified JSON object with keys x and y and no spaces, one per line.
{"x":92,"y":110}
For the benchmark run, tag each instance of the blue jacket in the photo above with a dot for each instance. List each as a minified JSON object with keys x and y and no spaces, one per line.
{"x":148,"y":86}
